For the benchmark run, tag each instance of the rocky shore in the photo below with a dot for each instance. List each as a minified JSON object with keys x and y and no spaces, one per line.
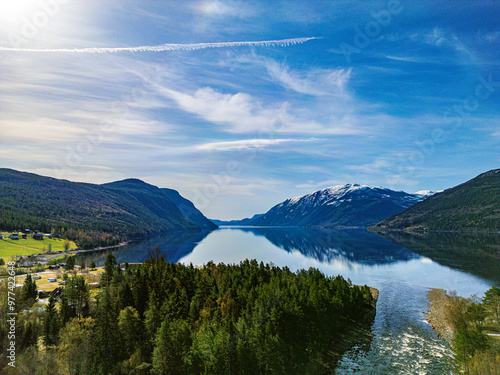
{"x":436,"y":315}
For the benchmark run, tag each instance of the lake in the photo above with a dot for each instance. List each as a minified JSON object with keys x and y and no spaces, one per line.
{"x":403,"y":343}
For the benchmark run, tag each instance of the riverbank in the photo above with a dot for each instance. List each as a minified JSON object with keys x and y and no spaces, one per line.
{"x":82,"y":251}
{"x":436,"y":315}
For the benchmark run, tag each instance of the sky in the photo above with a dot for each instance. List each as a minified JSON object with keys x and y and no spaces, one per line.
{"x":241,"y":105}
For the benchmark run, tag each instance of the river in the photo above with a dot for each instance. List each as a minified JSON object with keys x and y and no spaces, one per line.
{"x":403,"y":343}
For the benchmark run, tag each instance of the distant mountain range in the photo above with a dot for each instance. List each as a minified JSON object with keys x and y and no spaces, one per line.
{"x":471,"y":206}
{"x":93,"y":214}
{"x":349,"y":205}
{"x":247,"y":221}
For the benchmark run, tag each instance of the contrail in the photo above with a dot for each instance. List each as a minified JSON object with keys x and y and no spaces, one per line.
{"x":166,"y":47}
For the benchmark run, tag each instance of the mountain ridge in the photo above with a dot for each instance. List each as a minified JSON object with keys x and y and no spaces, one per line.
{"x":348,"y":205}
{"x":90,"y":214}
{"x":473,"y":205}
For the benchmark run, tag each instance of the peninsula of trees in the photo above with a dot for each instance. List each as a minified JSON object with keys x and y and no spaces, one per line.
{"x":165,"y":318}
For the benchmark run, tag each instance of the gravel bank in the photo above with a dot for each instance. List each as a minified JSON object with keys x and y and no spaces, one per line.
{"x":436,"y":315}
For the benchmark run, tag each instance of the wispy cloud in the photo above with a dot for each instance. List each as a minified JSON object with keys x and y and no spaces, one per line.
{"x":247,"y":144}
{"x":167,"y":47}
{"x":316,"y":82}
{"x":242,"y":113}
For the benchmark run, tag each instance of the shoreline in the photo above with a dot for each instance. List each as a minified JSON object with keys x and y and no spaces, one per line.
{"x":79,"y":251}
{"x":436,"y":313}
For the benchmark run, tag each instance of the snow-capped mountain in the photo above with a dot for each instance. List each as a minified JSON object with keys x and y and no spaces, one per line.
{"x":343,"y":205}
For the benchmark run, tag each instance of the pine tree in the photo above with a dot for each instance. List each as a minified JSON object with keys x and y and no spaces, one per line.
{"x":29,"y":290}
{"x":51,"y":323}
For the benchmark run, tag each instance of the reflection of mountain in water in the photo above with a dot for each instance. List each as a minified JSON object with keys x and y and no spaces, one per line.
{"x":175,"y":245}
{"x":359,"y":246}
{"x":478,"y":254}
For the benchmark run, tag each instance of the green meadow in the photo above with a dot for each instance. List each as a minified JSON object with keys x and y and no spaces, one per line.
{"x":28,"y":246}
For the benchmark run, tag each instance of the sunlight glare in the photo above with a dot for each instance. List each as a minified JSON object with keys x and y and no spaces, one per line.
{"x":13,"y":11}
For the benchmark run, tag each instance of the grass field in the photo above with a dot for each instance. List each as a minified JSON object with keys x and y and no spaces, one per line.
{"x":12,"y":248}
{"x":44,"y":284}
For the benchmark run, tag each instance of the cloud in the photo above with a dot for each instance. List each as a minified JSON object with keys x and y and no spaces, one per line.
{"x":375,"y":167}
{"x":316,"y":82}
{"x":242,"y":113}
{"x":492,"y":37}
{"x":247,"y":144}
{"x":166,"y":47}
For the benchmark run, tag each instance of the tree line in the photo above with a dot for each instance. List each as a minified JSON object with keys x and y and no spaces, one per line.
{"x":164,"y":318}
{"x":476,"y":352}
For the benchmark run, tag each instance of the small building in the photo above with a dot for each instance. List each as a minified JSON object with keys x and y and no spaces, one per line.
{"x":1,"y":237}
{"x":48,"y":235}
{"x":28,"y":261}
{"x":38,"y":236}
{"x":14,"y":236}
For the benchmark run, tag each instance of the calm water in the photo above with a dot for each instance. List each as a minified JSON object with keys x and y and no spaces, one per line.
{"x":404,"y":343}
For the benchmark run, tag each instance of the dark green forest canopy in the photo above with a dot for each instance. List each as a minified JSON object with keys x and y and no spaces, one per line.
{"x":249,"y":318}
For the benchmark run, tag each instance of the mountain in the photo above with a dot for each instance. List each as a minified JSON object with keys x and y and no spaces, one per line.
{"x":188,"y":209}
{"x":349,"y":205}
{"x":247,"y":221}
{"x":87,"y":213}
{"x":471,"y":206}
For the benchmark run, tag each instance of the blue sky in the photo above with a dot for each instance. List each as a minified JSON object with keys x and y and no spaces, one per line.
{"x":398,"y":94}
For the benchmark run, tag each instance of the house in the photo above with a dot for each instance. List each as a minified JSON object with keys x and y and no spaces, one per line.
{"x":28,"y":261}
{"x":48,"y":235}
{"x":56,"y":293}
{"x":1,"y":237}
{"x":14,"y":236}
{"x":38,"y":236}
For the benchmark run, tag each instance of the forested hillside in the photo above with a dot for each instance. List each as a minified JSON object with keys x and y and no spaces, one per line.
{"x":166,"y":318}
{"x":86,"y":213}
{"x":471,"y":206}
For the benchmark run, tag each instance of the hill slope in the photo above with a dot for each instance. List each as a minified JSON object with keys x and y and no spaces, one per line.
{"x":343,"y":205}
{"x":189,"y":210}
{"x":90,"y":214}
{"x":471,"y":206}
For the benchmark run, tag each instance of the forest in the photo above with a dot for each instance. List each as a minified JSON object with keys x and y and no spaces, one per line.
{"x":88,"y":214}
{"x":165,"y":318}
{"x":476,"y":324}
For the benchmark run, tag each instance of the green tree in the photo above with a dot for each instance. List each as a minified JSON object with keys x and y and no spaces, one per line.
{"x":106,"y":343}
{"x":67,"y":245}
{"x":467,"y":343}
{"x":491,"y":301}
{"x":109,"y":269}
{"x":82,"y":264}
{"x":70,"y":263}
{"x":92,"y":265}
{"x":77,"y":295}
{"x":173,"y":342}
{"x":74,"y":352}
{"x":131,"y":330}
{"x":51,"y":323}
{"x":29,"y":290}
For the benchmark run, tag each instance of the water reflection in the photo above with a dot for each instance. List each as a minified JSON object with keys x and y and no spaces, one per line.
{"x":324,"y":245}
{"x":175,"y":246}
{"x":478,"y":254}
